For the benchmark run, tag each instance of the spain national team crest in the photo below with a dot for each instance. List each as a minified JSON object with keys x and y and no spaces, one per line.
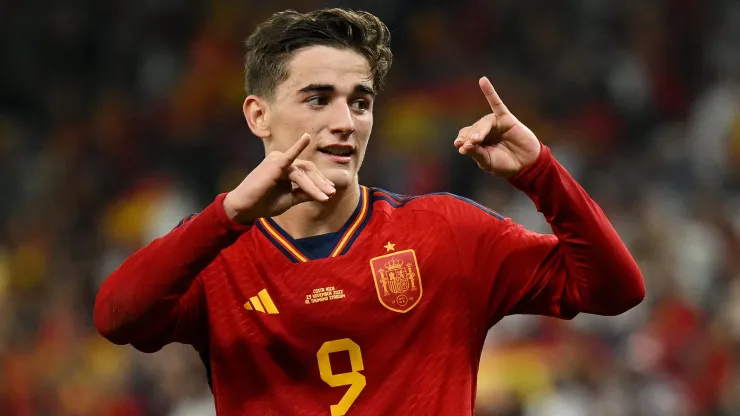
{"x":397,"y":280}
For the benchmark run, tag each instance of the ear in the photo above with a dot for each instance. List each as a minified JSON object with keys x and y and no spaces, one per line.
{"x":256,"y":113}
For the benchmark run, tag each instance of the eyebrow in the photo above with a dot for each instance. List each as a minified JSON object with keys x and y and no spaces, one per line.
{"x":359,"y":88}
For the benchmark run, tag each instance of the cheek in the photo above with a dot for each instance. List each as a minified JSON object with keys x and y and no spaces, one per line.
{"x":294,"y":121}
{"x":362,"y":134}
{"x":290,"y":126}
{"x":363,"y":129}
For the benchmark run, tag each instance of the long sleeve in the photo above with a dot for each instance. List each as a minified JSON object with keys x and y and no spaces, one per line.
{"x":583,"y":268}
{"x":598,"y":274}
{"x":156,"y":296}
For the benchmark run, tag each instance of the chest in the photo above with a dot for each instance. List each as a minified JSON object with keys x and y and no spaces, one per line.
{"x":392,"y":280}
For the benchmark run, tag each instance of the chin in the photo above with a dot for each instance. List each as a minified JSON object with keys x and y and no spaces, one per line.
{"x":342,"y":178}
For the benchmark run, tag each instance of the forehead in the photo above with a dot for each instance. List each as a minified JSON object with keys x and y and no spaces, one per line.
{"x":343,"y":68}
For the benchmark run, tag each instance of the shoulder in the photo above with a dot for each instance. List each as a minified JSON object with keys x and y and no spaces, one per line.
{"x":451,"y":206}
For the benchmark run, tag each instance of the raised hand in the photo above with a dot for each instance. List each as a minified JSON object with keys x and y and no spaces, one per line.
{"x":498,"y":142}
{"x":278,"y":183}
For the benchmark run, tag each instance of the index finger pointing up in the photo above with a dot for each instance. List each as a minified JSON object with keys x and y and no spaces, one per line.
{"x":299,"y":146}
{"x":497,"y":106}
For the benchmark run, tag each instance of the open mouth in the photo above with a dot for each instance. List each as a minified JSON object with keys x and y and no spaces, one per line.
{"x":338,"y":150}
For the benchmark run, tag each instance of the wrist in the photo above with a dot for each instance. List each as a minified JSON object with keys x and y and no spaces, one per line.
{"x":526,"y":177}
{"x":233,"y":213}
{"x":220,"y":208}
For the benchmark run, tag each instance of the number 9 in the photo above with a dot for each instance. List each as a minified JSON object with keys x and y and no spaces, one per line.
{"x":354,"y":379}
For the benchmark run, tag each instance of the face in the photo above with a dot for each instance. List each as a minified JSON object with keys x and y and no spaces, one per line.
{"x":328,"y":94}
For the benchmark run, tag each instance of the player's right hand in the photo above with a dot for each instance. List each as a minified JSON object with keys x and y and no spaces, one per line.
{"x":280,"y":182}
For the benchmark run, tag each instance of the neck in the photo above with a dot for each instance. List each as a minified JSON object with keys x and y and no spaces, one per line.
{"x":315,"y":218}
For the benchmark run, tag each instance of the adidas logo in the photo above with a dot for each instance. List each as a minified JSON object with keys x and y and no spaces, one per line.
{"x":261,"y":303}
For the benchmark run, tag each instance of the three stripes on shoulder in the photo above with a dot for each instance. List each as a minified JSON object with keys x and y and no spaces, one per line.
{"x":261,"y":303}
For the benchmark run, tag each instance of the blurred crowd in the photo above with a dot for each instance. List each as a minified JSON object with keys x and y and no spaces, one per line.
{"x":119,"y":118}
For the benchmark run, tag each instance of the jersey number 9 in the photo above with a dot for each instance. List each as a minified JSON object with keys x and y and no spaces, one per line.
{"x":354,"y":379}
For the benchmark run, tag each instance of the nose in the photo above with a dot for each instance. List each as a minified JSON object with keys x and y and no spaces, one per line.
{"x":342,"y":120}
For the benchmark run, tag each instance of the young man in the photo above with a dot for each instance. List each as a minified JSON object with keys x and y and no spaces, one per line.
{"x":308,"y":294}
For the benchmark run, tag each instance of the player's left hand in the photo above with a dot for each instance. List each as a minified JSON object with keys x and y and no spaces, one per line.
{"x":498,"y":142}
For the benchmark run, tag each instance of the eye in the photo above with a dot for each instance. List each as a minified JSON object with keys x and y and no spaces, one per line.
{"x":361,"y":105}
{"x":318,"y":101}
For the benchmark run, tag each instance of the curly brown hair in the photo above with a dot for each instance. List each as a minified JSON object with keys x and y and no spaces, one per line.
{"x":276,"y":40}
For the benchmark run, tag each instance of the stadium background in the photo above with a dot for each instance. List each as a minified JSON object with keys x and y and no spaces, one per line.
{"x":118,"y":118}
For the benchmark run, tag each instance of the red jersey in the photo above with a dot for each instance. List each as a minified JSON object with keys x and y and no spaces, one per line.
{"x":388,"y":316}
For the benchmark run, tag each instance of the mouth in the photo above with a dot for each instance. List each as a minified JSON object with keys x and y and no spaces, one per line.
{"x":339,"y":153}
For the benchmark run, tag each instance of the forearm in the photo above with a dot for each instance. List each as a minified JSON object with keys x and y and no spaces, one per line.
{"x":143,"y":295}
{"x":601,"y":275}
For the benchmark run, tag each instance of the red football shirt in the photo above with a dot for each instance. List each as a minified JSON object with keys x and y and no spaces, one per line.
{"x":388,"y":316}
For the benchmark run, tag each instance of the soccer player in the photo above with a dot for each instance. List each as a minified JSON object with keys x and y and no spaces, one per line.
{"x":306,"y":293}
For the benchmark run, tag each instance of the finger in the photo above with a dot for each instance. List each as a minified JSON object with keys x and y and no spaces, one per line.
{"x":325,"y":185}
{"x":299,"y":177}
{"x":481,"y":129}
{"x":299,"y":146}
{"x":461,"y":137}
{"x":477,"y":153}
{"x":299,"y":197}
{"x":497,"y":106}
{"x":315,"y":174}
